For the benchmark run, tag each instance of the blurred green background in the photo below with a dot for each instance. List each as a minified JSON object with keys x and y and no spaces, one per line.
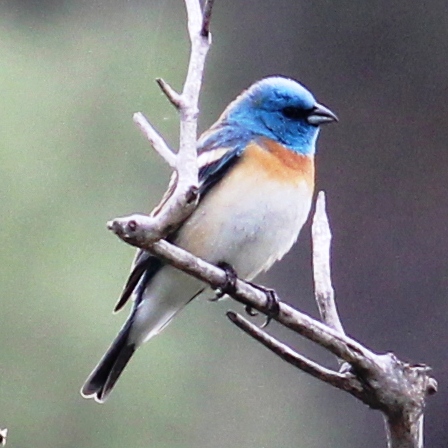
{"x":72,"y":74}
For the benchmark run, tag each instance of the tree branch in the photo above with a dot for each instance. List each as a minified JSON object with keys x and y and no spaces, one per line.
{"x":156,"y":140}
{"x":134,"y":230}
{"x":394,"y":387}
{"x":345,"y":381}
{"x":205,"y":29}
{"x":182,"y":200}
{"x":381,"y":381}
{"x":323,"y":289}
{"x":402,"y":409}
{"x":171,"y":94}
{"x":3,"y":436}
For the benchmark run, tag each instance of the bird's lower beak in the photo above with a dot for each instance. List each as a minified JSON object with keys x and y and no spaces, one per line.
{"x":321,"y":115}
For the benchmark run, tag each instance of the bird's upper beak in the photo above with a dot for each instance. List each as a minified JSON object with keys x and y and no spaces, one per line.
{"x":321,"y":115}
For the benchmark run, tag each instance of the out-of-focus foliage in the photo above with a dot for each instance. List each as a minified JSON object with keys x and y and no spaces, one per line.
{"x":71,"y":159}
{"x":72,"y":74}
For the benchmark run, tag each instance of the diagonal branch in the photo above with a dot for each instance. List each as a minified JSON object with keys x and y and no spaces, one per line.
{"x":396,"y":388}
{"x":345,"y":381}
{"x":174,"y":98}
{"x":156,"y":140}
{"x":134,"y":230}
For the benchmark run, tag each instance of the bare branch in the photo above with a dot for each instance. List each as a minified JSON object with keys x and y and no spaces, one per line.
{"x":183,"y":196}
{"x":171,"y":94}
{"x":398,"y":389}
{"x":323,"y":289}
{"x":3,"y":436}
{"x":194,"y":18}
{"x":156,"y":140}
{"x":345,"y":381}
{"x":403,"y":409}
{"x":205,"y":29}
{"x":187,"y":156}
{"x":135,"y":229}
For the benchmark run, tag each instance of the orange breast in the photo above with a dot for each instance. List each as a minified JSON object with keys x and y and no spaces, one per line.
{"x":279,"y":163}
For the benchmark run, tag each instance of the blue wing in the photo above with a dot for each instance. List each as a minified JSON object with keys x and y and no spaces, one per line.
{"x":219,"y":149}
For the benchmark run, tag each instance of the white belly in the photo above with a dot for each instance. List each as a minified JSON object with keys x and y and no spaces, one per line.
{"x":250,"y":228}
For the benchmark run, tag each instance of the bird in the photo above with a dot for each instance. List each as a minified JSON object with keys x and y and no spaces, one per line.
{"x":256,"y":184}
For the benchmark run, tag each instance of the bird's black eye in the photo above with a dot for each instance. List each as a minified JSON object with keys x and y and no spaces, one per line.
{"x":294,"y":113}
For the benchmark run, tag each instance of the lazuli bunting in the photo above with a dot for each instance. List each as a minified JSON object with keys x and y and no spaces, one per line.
{"x":256,"y":181}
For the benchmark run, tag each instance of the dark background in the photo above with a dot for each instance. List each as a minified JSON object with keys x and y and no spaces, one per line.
{"x":72,"y":73}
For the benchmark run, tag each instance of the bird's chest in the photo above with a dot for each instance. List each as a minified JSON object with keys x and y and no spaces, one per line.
{"x":251,"y":218}
{"x":264,"y":225}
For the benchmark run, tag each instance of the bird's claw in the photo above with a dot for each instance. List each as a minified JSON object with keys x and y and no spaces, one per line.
{"x":272,"y":305}
{"x":250,"y":311}
{"x":229,"y":286}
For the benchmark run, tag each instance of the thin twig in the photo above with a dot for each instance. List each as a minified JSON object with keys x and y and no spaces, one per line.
{"x":207,"y":15}
{"x":323,"y":289}
{"x":171,"y":94}
{"x":344,"y":381}
{"x":3,"y":436}
{"x":156,"y":140}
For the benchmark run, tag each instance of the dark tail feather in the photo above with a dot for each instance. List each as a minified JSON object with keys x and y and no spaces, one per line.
{"x":103,"y":378}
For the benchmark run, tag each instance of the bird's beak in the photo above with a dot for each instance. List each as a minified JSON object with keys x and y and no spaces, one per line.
{"x":321,"y":115}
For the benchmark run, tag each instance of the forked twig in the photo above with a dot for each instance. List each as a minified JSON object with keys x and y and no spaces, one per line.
{"x":183,"y":196}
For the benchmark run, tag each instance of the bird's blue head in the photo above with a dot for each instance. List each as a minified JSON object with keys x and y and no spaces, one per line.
{"x":280,"y":109}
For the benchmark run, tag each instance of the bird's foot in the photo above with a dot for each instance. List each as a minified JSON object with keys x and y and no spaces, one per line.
{"x":229,"y":286}
{"x":272,"y":305}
